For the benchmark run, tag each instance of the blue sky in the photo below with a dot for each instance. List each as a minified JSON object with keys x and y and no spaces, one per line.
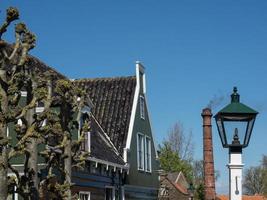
{"x":193,"y":51}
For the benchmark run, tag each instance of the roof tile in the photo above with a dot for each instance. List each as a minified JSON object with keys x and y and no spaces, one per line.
{"x":113,"y":100}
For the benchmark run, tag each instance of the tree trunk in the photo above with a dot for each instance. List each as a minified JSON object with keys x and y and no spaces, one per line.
{"x":67,"y":165}
{"x":32,"y":162}
{"x":3,"y":136}
{"x":3,"y":164}
{"x":67,"y":147}
{"x":32,"y":146}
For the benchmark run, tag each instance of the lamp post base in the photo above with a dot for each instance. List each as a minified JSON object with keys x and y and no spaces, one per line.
{"x":235,"y":175}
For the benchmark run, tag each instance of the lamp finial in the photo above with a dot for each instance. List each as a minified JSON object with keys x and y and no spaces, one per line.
{"x":235,"y":96}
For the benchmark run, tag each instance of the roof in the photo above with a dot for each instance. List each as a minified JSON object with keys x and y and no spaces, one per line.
{"x":172,"y":179}
{"x":101,"y":147}
{"x":244,"y":197}
{"x":180,"y":188}
{"x":178,"y":178}
{"x":172,"y":176}
{"x":113,"y":101}
{"x":237,"y":108}
{"x":34,"y":63}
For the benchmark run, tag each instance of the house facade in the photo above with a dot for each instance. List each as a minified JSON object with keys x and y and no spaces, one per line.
{"x":122,"y":162}
{"x":120,"y":106}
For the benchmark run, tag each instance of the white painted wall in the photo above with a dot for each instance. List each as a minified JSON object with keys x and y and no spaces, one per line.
{"x":235,"y":175}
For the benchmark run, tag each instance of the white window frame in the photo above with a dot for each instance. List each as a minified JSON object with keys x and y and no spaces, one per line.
{"x":88,"y":141}
{"x":39,"y":109}
{"x":142,"y":107}
{"x":85,"y":193}
{"x":16,"y":195}
{"x":19,"y":122}
{"x":139,"y":166}
{"x":113,"y":191}
{"x":148,"y":157}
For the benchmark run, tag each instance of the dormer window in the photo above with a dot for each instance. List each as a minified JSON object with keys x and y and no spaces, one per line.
{"x":142,"y":107}
{"x":86,"y":143}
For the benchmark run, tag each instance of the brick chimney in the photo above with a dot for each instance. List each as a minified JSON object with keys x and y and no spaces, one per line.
{"x":209,"y":180}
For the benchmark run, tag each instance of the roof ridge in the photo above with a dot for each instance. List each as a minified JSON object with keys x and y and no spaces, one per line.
{"x":178,"y":187}
{"x":103,"y":78}
{"x":39,"y":62}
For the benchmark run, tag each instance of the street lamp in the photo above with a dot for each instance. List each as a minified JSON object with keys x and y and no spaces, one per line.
{"x":235,"y":123}
{"x":191,"y":190}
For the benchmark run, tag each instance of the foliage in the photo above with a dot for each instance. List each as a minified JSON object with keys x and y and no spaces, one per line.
{"x":170,"y":161}
{"x":200,"y":192}
{"x":176,"y":154}
{"x":198,"y":177}
{"x":255,"y":178}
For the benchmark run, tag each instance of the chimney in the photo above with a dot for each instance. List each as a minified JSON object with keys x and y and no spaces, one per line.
{"x":209,"y":180}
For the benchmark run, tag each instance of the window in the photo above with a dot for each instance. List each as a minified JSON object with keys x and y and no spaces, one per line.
{"x":84,"y":195}
{"x":142,"y":107}
{"x":148,"y":154}
{"x":144,"y":152}
{"x":140,"y":151}
{"x":40,"y":109}
{"x":85,"y":145}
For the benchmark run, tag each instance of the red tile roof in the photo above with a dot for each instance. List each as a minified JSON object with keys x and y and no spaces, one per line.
{"x":245,"y":197}
{"x":180,"y":188}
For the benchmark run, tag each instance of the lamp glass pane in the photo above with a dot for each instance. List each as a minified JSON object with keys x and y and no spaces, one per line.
{"x":249,"y":130}
{"x":221,"y":131}
{"x":230,"y":127}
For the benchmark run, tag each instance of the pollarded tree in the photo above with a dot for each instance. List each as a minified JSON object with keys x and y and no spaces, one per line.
{"x":17,"y":77}
{"x":53,"y":127}
{"x":62,"y":153}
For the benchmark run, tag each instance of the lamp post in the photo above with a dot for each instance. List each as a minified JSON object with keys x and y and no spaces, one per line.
{"x":235,"y":123}
{"x":191,"y":190}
